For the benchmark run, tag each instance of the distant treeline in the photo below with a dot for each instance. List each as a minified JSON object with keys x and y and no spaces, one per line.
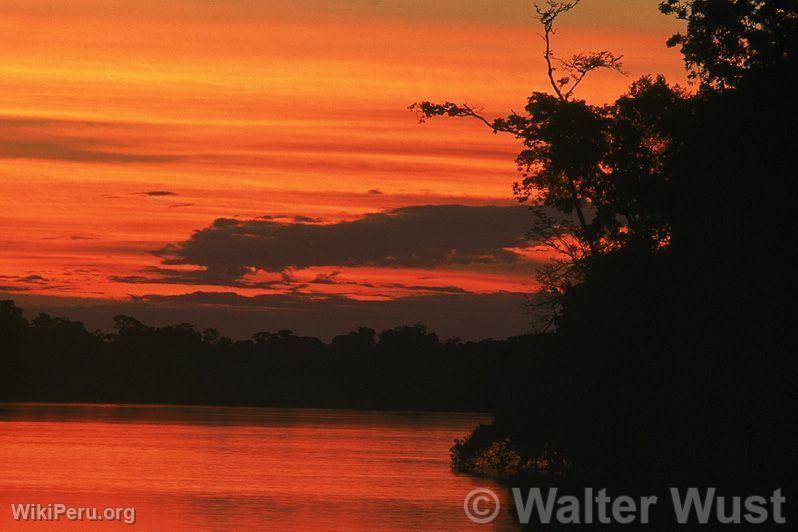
{"x":408,"y":368}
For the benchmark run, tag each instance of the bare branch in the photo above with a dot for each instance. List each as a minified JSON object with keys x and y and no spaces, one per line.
{"x":580,"y":65}
{"x":547,"y":16}
{"x":424,"y":110}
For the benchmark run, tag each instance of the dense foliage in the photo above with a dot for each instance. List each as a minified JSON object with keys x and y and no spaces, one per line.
{"x":673,"y":305}
{"x":406,"y":368}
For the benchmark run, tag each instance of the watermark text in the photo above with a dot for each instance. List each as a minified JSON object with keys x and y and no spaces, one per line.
{"x":57,"y":512}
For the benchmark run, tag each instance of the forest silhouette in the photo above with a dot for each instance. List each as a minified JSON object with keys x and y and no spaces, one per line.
{"x":672,"y":300}
{"x":51,"y":359}
{"x":670,"y":360}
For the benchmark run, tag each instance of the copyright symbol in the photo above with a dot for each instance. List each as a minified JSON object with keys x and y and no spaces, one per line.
{"x":482,"y":506}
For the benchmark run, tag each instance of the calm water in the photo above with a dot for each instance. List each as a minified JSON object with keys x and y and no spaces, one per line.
{"x":205,"y":468}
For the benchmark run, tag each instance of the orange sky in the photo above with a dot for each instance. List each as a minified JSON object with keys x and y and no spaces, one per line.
{"x":247,"y":108}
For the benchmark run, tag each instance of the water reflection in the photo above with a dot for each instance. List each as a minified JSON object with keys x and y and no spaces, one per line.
{"x":243,"y":468}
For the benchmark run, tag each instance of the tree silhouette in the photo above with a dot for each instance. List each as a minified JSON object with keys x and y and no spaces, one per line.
{"x":725,"y":41}
{"x":672,"y":363}
{"x":563,"y":139}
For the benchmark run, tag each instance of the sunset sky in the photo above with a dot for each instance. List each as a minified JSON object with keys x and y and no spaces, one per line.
{"x":252,"y":165}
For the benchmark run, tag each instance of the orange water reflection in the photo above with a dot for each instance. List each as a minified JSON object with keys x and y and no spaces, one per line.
{"x":236,"y":468}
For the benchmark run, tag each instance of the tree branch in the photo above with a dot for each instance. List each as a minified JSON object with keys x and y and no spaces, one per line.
{"x":580,"y":65}
{"x":547,"y":17}
{"x":425,"y":110}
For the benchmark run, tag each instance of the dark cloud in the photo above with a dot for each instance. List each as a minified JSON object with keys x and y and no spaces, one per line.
{"x":332,"y":279}
{"x":326,"y":278}
{"x":374,"y":191}
{"x":419,"y":237}
{"x":159,"y":193}
{"x":69,"y":140}
{"x":71,"y":237}
{"x":33,"y":279}
{"x":198,"y":277}
{"x":287,"y":282}
{"x":465,"y":315}
{"x":468,"y":316}
{"x":37,"y":279}
{"x":179,"y":205}
{"x":76,"y":150}
{"x":307,"y":219}
{"x":425,"y":288}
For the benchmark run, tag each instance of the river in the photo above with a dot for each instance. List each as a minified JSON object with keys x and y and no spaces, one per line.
{"x":208,"y":468}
